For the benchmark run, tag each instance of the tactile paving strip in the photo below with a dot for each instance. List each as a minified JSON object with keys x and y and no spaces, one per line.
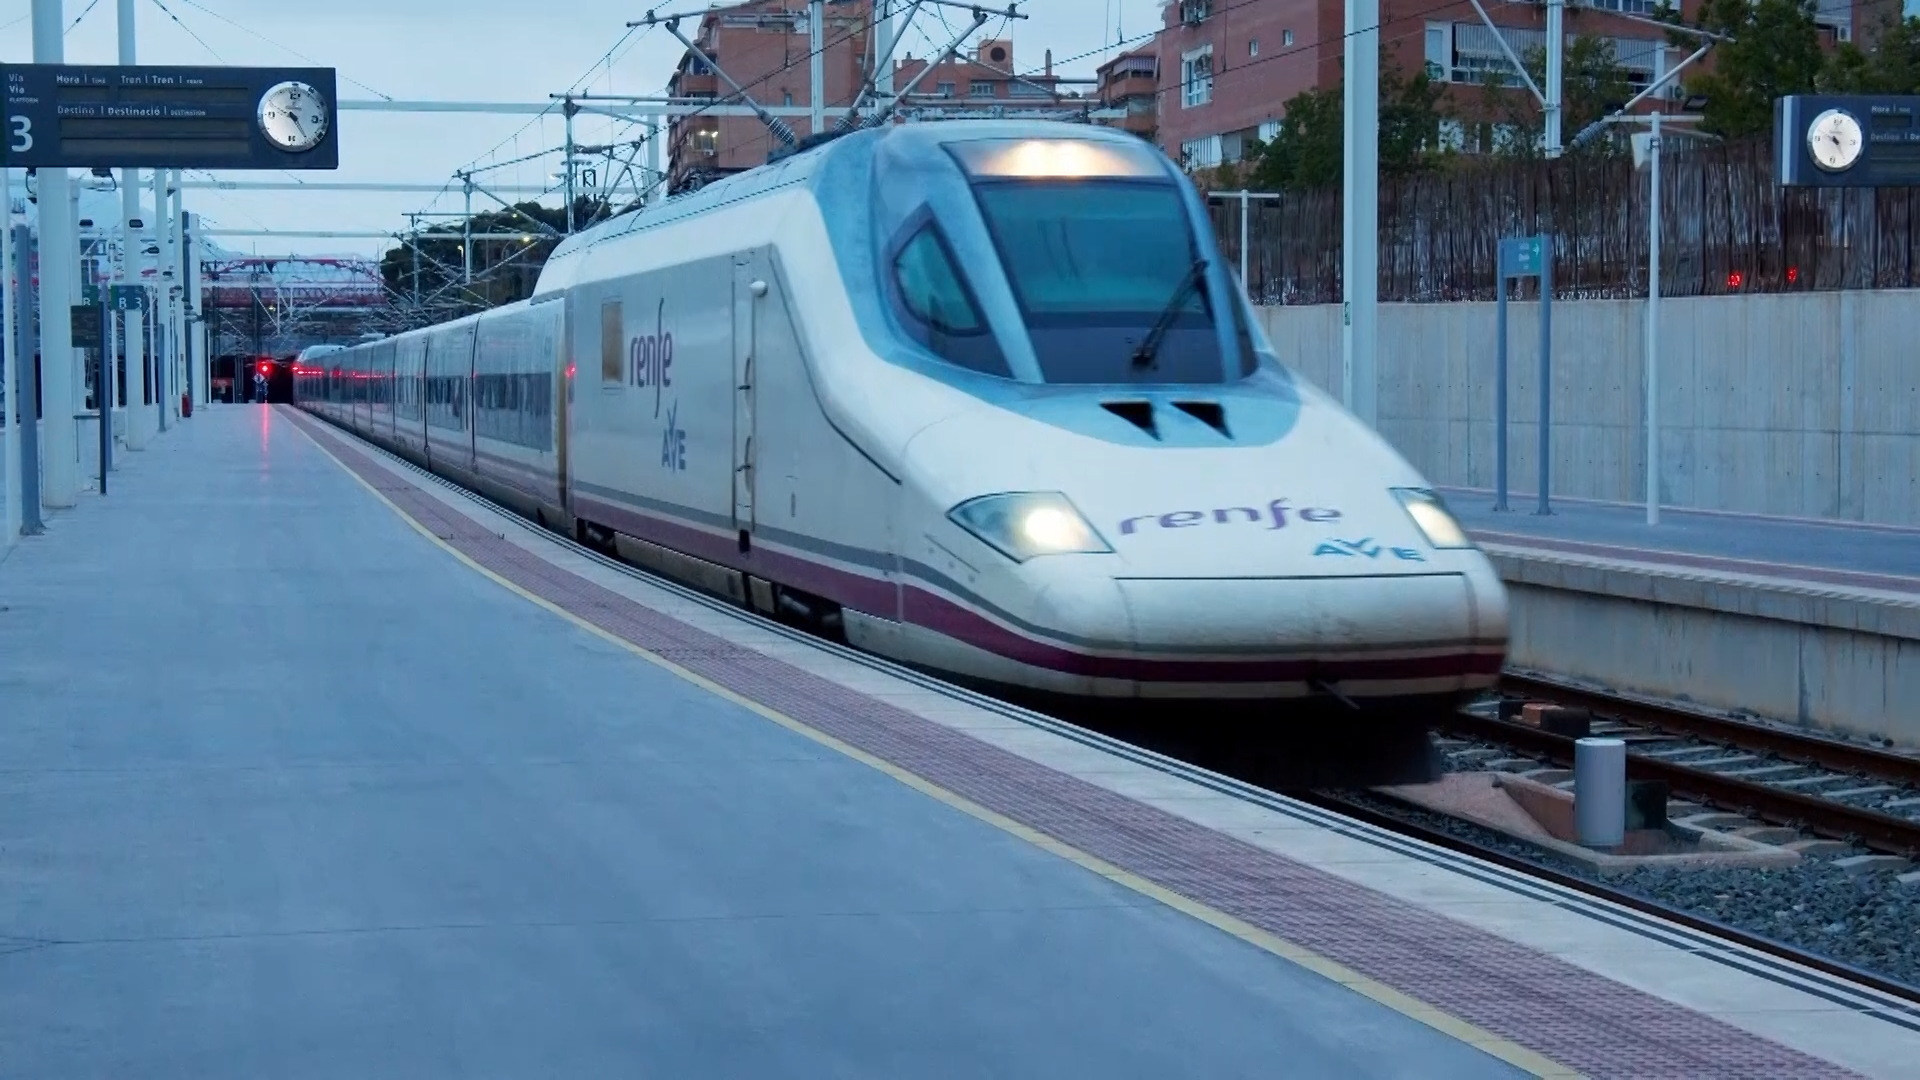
{"x":1572,"y":1016}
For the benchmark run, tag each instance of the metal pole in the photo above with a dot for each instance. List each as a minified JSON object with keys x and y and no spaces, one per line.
{"x":1500,"y":385}
{"x":466,"y":229}
{"x":162,"y":357}
{"x":816,"y":68}
{"x":1546,"y":366}
{"x":190,"y":300}
{"x":1245,"y":285}
{"x":59,"y":256}
{"x":1653,"y":330}
{"x":883,"y":36}
{"x":176,"y":306}
{"x":413,"y":245}
{"x":10,"y":362}
{"x":1360,"y":253}
{"x":656,"y":177}
{"x":566,"y":108}
{"x":26,"y":383}
{"x":132,"y":342}
{"x":1556,"y":14}
{"x":103,"y":395}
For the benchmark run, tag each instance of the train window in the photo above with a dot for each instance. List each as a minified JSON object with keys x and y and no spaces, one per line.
{"x":1095,"y":266}
{"x":613,"y":344}
{"x":941,"y":309}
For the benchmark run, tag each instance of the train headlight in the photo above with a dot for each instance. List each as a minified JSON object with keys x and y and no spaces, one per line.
{"x":1436,"y":522}
{"x":1025,"y":524}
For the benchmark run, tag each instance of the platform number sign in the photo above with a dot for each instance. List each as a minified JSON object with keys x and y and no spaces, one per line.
{"x":94,"y":116}
{"x":19,"y":125}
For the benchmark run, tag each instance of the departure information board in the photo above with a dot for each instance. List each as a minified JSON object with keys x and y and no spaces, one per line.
{"x":90,"y":117}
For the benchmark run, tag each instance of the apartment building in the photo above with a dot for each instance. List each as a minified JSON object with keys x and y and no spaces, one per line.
{"x":766,"y":47}
{"x":1227,"y":67}
{"x":1131,"y":82}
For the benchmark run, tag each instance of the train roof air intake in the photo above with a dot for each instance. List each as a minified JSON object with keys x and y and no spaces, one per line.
{"x":1137,"y":413}
{"x":1210,"y":413}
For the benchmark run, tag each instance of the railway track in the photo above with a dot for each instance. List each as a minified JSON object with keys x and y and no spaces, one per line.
{"x":1843,"y":791}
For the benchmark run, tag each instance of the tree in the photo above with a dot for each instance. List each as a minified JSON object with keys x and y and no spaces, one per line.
{"x":1593,"y":83}
{"x":1307,"y":151}
{"x":1774,"y":50}
{"x":1891,"y":65}
{"x":503,"y":271}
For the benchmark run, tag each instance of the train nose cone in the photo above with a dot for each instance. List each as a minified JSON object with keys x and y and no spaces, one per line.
{"x":1367,"y":634}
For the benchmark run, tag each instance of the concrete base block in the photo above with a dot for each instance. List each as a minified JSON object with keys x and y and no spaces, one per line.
{"x":1542,"y":815}
{"x":1819,"y":848}
{"x":1871,"y":864}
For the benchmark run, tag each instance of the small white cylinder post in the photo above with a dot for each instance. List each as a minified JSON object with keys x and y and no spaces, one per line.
{"x":1653,"y":328}
{"x":59,"y":256}
{"x":816,"y":67}
{"x":1360,"y":242}
{"x":1600,"y":792}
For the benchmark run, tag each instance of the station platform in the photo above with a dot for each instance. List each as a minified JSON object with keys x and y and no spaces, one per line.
{"x":310,"y":765}
{"x":1810,"y":623}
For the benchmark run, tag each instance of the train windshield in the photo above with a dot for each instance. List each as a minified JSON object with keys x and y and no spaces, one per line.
{"x":1099,"y":250}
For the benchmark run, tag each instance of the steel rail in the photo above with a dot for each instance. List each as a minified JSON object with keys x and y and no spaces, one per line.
{"x":1870,"y":828}
{"x":1676,"y":719}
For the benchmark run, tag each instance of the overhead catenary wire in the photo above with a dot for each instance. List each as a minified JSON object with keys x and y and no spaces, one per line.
{"x":279,"y":45}
{"x":168,"y":12}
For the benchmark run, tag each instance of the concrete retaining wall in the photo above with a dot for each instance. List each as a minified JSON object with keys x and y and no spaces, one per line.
{"x":1838,"y":662}
{"x":1804,"y":405}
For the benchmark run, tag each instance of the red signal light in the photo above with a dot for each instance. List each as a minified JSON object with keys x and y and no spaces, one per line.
{"x":1793,"y":274}
{"x":1736,"y":279}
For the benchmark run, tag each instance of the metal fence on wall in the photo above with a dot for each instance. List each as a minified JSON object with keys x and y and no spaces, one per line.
{"x":1726,"y":227}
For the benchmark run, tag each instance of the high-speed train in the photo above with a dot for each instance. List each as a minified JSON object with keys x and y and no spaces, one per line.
{"x":980,"y":396}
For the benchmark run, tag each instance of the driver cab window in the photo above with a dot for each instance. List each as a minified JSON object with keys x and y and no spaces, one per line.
{"x":939,"y":308}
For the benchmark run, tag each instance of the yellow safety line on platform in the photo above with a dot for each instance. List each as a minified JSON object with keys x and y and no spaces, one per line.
{"x":1505,"y":1049}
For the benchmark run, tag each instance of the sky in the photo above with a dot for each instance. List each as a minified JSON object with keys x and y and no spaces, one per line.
{"x":462,"y":50}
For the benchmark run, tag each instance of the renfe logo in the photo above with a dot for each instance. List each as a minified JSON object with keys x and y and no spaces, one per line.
{"x":649,"y":358}
{"x":1277,"y":511}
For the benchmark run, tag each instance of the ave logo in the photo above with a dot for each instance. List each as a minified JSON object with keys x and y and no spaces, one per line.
{"x":673,"y":443}
{"x":1365,"y":548}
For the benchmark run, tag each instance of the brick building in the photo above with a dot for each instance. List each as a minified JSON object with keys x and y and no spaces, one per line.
{"x":765,"y":46}
{"x":1131,"y":82}
{"x":1227,"y":67}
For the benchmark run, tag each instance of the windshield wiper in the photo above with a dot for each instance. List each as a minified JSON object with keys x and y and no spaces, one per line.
{"x":1143,"y":356}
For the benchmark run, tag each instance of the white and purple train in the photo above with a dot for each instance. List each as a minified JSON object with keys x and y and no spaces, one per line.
{"x":982,"y":397}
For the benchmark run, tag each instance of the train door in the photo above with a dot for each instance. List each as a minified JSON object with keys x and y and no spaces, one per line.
{"x":562,"y":395}
{"x":426,"y":399}
{"x":468,"y":375}
{"x":748,"y":288}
